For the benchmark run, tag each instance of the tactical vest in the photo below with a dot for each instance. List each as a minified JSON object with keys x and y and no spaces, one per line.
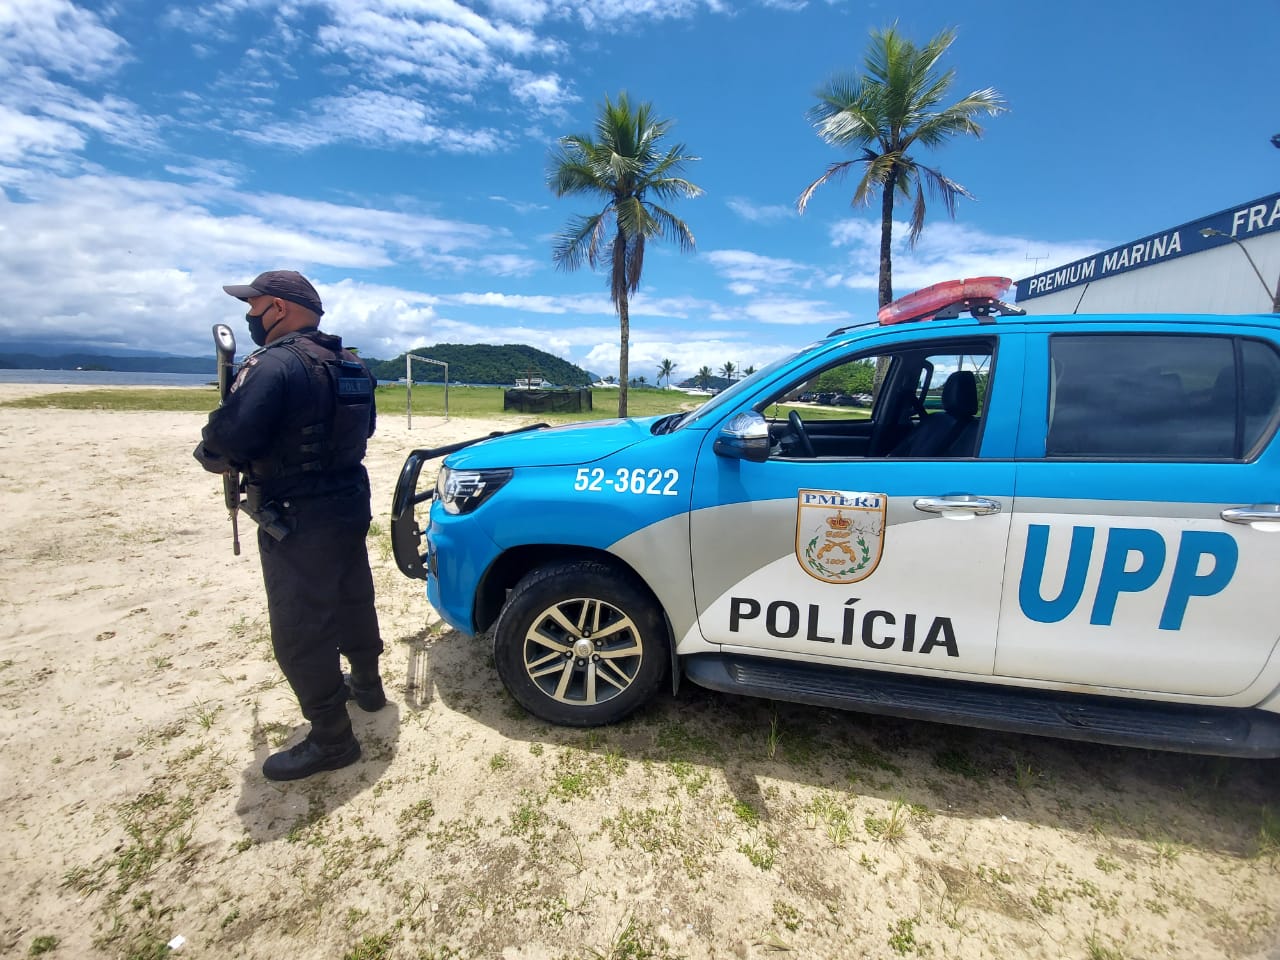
{"x":330,"y":433}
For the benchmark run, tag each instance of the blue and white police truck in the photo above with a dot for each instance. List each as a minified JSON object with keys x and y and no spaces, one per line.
{"x":1065,"y":525}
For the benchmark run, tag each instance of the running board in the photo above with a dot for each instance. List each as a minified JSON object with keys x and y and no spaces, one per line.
{"x":1155,"y":725}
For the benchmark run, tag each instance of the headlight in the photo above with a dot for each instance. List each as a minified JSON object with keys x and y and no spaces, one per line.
{"x":461,"y":491}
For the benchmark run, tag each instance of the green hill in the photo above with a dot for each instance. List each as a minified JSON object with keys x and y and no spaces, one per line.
{"x":484,"y":363}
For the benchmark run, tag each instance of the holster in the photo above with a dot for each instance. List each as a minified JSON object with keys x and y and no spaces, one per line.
{"x":269,"y":516}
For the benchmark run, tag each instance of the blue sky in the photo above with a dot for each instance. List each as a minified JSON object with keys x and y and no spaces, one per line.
{"x":396,"y":152}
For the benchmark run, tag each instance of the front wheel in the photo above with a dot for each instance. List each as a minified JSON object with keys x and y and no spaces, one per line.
{"x":580,"y":644}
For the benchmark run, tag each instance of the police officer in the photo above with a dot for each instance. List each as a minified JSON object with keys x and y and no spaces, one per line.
{"x":295,"y":424}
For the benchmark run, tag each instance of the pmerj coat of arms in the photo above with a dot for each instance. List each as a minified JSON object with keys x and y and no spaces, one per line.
{"x":839,"y":535}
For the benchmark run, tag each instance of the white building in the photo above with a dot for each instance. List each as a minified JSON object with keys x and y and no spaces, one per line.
{"x":1235,"y":268}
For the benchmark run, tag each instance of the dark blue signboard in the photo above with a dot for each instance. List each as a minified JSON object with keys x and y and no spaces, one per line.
{"x":1247,"y":220}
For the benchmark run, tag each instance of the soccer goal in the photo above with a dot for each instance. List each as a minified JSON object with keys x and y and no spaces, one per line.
{"x":408,"y":380}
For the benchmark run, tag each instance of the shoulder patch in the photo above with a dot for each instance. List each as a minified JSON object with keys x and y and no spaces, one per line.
{"x":249,"y":363}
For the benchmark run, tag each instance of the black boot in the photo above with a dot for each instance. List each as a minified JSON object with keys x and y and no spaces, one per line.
{"x":364,"y":686}
{"x":329,"y":746}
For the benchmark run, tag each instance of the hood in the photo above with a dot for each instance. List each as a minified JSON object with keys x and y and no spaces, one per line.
{"x":556,"y":446}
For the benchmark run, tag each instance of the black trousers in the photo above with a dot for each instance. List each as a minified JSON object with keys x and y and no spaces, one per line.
{"x":321,"y":606}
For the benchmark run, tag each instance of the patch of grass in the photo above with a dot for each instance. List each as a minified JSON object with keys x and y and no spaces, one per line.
{"x":417,"y":813}
{"x":528,"y":818}
{"x":690,"y":776}
{"x":993,"y":874}
{"x":499,"y":761}
{"x":42,"y":944}
{"x":775,"y":735}
{"x":1097,"y":950}
{"x":827,"y":812}
{"x":902,"y":936}
{"x":762,"y":855}
{"x":579,"y":774}
{"x":1167,"y":851}
{"x":428,"y":400}
{"x":891,"y":829}
{"x":1025,"y":776}
{"x":650,"y":829}
{"x":746,"y":812}
{"x":154,"y":823}
{"x":301,"y":831}
{"x":958,"y":762}
{"x":679,"y":741}
{"x":183,"y":399}
{"x":206,"y":715}
{"x":1106,"y":864}
{"x":632,"y":942}
{"x":662,"y":832}
{"x":372,"y":947}
{"x":1269,"y":834}
{"x":865,"y":756}
{"x":787,"y":915}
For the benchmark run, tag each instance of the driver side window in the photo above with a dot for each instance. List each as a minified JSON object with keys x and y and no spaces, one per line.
{"x":923,"y":400}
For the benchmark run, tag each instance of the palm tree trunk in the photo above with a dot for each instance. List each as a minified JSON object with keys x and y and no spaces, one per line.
{"x":886,"y":239}
{"x":624,"y":377}
{"x":886,"y":270}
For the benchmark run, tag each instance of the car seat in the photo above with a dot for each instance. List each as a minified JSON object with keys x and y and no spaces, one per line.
{"x":952,"y":431}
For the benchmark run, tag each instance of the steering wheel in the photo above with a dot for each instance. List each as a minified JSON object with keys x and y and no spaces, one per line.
{"x":801,"y":434}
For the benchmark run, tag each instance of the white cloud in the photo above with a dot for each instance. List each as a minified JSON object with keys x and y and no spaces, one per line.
{"x":141,"y":263}
{"x":59,"y":36}
{"x":946,"y":251}
{"x":753,"y":270}
{"x":52,"y":122}
{"x":376,"y":119}
{"x":796,"y":312}
{"x":520,"y":206}
{"x":546,"y":93}
{"x":27,"y":137}
{"x":760,"y":213}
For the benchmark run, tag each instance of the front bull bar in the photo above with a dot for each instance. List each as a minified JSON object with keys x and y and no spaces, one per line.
{"x":406,"y":534}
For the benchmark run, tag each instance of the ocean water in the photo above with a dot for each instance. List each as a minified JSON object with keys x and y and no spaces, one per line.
{"x":109,"y":378}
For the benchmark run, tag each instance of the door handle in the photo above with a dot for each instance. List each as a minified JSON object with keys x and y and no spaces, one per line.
{"x":961,"y":506}
{"x":1260,"y":516}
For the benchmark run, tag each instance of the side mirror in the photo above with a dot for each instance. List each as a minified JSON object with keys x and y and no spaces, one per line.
{"x":745,"y":437}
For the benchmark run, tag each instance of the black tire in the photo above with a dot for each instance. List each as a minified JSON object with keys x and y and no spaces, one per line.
{"x":580,"y":644}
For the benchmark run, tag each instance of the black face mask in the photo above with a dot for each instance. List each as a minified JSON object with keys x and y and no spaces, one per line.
{"x":257,"y":332}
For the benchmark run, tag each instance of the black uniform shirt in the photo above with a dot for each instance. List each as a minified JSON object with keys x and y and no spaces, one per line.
{"x":262,"y":421}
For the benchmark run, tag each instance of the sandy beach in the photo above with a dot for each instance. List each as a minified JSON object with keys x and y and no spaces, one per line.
{"x":140,"y":698}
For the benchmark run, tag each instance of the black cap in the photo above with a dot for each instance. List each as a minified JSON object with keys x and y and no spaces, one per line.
{"x":286,"y":284}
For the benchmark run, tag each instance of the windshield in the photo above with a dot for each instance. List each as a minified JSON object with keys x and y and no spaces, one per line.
{"x":729,"y":393}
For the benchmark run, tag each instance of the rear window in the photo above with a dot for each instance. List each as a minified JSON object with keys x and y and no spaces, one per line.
{"x":1148,"y":396}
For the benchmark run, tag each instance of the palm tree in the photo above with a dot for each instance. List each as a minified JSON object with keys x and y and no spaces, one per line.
{"x":728,"y":370}
{"x":749,"y":371}
{"x":704,"y":377}
{"x":623,"y":163}
{"x":665,"y":369}
{"x":885,"y":113}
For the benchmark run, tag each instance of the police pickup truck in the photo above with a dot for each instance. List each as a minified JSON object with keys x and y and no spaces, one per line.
{"x":1063,"y":525}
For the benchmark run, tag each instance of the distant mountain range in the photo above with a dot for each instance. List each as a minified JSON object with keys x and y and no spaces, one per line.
{"x":144,"y":363}
{"x":468,"y":363}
